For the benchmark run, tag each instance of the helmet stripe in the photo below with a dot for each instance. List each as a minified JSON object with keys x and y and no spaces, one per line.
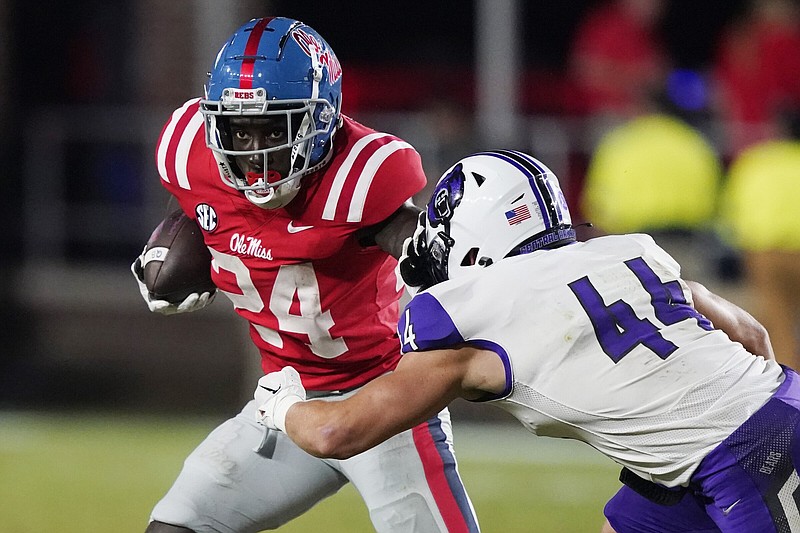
{"x":559,"y":213}
{"x":530,"y":171}
{"x":250,"y":51}
{"x":540,"y":180}
{"x":556,"y":212}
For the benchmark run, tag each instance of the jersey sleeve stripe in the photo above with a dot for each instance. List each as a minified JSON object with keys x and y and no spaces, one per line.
{"x":185,"y":144}
{"x":166,"y":138}
{"x":368,"y":174}
{"x":341,"y":175}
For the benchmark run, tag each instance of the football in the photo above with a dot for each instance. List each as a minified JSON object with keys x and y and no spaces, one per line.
{"x":178,"y":261}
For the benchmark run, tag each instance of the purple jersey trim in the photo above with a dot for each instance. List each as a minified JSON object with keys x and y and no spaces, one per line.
{"x":431,"y":325}
{"x":501,"y":353}
{"x":433,"y":328}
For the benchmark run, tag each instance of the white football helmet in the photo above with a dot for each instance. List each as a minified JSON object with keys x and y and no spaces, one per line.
{"x":492,"y":205}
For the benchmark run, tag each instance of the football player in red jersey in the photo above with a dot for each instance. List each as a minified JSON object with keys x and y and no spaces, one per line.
{"x":304,"y":211}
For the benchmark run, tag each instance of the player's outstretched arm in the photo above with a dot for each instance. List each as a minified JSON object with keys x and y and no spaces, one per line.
{"x":422,"y":384}
{"x":737,"y":323}
{"x":391,"y":233}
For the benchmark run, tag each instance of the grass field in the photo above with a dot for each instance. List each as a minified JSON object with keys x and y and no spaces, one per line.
{"x":86,"y":473}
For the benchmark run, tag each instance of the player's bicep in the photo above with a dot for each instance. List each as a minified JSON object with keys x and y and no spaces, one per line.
{"x":439,"y":375}
{"x":421,"y":386}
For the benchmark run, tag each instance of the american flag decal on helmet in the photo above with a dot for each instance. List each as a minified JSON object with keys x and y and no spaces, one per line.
{"x":518,"y":214}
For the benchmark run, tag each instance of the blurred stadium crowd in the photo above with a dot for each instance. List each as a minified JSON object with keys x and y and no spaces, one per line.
{"x":675,"y":117}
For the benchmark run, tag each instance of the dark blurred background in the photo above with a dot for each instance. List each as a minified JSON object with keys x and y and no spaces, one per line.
{"x":86,"y":86}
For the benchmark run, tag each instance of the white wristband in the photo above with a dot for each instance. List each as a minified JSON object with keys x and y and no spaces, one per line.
{"x":281,"y":408}
{"x":157,"y":253}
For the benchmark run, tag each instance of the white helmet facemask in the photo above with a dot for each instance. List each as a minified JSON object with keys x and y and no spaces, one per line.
{"x":270,"y":190}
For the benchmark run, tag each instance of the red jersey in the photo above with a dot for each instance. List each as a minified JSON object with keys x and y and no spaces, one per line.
{"x":314,"y":297}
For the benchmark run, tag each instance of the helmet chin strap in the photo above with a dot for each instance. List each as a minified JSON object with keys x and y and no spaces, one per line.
{"x":273,"y":200}
{"x":271,"y":197}
{"x":551,"y":238}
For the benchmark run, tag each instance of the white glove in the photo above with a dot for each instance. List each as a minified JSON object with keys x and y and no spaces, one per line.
{"x":193,"y":302}
{"x":275,"y":394}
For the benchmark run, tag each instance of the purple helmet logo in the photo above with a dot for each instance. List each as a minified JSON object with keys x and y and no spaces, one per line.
{"x":446,"y":197}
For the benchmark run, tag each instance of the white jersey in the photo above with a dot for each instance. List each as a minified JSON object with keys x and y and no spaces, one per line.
{"x":601,"y":344}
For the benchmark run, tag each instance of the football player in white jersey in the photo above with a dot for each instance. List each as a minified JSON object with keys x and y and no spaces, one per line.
{"x":599,"y":341}
{"x":304,"y":211}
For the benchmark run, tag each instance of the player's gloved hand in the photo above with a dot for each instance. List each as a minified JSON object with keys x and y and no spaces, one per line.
{"x":275,"y":394}
{"x":193,"y":302}
{"x":413,"y":263}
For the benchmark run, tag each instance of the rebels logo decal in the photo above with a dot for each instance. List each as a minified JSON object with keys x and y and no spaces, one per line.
{"x":206,"y":217}
{"x":315,"y":49}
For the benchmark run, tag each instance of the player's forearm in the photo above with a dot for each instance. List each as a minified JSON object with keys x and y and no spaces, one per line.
{"x":332,"y":429}
{"x":738,"y":324}
{"x":402,"y":225}
{"x":382,"y":408}
{"x":753,"y":336}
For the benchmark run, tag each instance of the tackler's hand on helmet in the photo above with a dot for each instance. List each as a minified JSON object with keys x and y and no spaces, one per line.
{"x":414,"y":263}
